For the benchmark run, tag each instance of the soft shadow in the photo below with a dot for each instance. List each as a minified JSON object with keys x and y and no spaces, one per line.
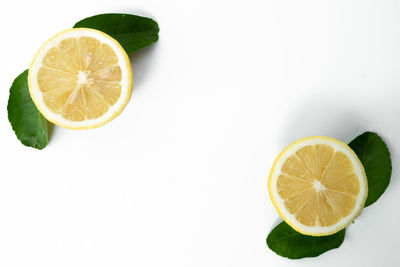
{"x":325,"y":116}
{"x":142,"y":61}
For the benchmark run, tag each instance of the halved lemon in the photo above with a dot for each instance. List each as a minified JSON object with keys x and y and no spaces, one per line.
{"x":318,"y":185}
{"x":80,"y":78}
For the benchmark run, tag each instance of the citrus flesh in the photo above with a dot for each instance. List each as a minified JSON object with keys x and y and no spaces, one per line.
{"x":80,"y":78}
{"x":318,"y":185}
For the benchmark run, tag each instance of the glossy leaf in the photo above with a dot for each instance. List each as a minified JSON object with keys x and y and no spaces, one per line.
{"x":131,"y":31}
{"x":27,"y":122}
{"x":375,"y":157}
{"x":287,"y":242}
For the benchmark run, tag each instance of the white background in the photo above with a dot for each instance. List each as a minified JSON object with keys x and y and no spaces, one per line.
{"x":180,"y":177}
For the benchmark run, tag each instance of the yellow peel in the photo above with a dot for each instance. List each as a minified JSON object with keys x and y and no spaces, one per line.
{"x":281,"y":204}
{"x":124,"y":77}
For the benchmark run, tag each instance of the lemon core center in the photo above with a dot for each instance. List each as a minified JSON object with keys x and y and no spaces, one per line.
{"x":83,"y":77}
{"x":318,"y":186}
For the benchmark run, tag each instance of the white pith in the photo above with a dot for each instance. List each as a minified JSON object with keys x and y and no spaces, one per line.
{"x":279,"y":202}
{"x":126,"y":79}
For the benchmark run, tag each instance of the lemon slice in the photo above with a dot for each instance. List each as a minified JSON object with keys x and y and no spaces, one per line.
{"x":318,"y":185}
{"x":80,"y":78}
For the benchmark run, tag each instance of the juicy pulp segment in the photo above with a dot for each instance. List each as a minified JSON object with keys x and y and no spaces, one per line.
{"x":318,"y":185}
{"x":80,"y":78}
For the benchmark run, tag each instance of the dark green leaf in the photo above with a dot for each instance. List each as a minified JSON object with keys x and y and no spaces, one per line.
{"x":27,"y":122}
{"x":374,"y":155}
{"x":131,"y":31}
{"x":286,"y":242}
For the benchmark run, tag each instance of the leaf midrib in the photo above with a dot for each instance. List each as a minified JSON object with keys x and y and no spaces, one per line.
{"x":286,"y":237}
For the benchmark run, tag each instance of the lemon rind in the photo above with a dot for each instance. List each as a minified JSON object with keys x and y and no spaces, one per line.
{"x":290,"y":220}
{"x":112,"y":113}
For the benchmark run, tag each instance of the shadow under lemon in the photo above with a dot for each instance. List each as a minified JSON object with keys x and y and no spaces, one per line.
{"x":325,"y":116}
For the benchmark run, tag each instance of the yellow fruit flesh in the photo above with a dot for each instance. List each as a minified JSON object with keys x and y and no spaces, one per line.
{"x":318,"y":185}
{"x":80,"y":78}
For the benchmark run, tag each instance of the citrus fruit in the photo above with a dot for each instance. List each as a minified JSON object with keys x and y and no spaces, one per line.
{"x":80,"y":78}
{"x":318,"y":185}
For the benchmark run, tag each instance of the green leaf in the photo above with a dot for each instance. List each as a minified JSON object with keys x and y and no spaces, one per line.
{"x":375,"y":157}
{"x":27,"y":122}
{"x":286,"y":242}
{"x":131,"y":31}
